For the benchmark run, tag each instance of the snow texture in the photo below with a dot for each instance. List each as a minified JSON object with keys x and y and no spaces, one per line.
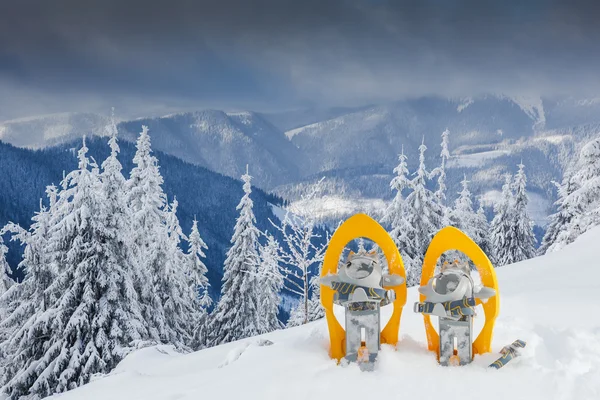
{"x":561,"y":360}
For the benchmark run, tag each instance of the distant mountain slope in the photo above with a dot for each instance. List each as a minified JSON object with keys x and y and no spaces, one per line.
{"x":49,"y":130}
{"x":224,"y":143}
{"x":209,"y":196}
{"x":377,"y":134}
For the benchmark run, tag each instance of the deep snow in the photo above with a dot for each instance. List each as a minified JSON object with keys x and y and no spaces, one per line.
{"x":551,"y":302}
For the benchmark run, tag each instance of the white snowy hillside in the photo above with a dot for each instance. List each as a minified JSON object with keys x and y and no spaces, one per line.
{"x":551,"y":302}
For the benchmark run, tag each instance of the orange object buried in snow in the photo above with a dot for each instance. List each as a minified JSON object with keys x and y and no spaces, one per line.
{"x":361,"y":225}
{"x":451,"y":238}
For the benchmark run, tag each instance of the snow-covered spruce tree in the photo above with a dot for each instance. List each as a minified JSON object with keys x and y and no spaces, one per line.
{"x":424,"y":215}
{"x":522,"y":245}
{"x":5,"y":281}
{"x":502,"y":225}
{"x":315,"y":308}
{"x":472,"y":223}
{"x":557,"y":235}
{"x":396,"y":218}
{"x":236,"y":315}
{"x":300,"y":253}
{"x":482,"y":232}
{"x":462,"y":215}
{"x":196,"y":247}
{"x":199,"y":281}
{"x":270,"y":284}
{"x":440,"y":172}
{"x":579,"y":205}
{"x":178,"y":292}
{"x":25,"y":301}
{"x":147,"y":203}
{"x":94,"y":315}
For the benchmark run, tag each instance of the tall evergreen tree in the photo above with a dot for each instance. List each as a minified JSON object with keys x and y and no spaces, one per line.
{"x":522,"y":246}
{"x":425,"y":216}
{"x":147,"y":202}
{"x":93,"y":317}
{"x":482,"y":227}
{"x":24,"y":339}
{"x":579,"y":200}
{"x":236,"y":314}
{"x":315,"y":308}
{"x":472,"y":223}
{"x":462,"y":215}
{"x":557,"y":234}
{"x":440,"y":193}
{"x":199,"y":282}
{"x":177,"y":291}
{"x":396,"y":217}
{"x":5,"y":281}
{"x":501,"y":226}
{"x":271,"y":283}
{"x":196,"y":247}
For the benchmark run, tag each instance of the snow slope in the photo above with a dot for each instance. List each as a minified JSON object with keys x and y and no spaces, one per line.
{"x":551,"y":302}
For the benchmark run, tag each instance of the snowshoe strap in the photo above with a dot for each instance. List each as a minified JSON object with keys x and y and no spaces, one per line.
{"x":456,"y":308}
{"x":344,"y":290}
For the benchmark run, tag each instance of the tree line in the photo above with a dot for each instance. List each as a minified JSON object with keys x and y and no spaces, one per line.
{"x":416,"y":213}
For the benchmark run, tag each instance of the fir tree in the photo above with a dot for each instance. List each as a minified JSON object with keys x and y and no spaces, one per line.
{"x":198,"y":268}
{"x":473,"y":224}
{"x":199,"y":282}
{"x":557,"y":234}
{"x":93,"y":317}
{"x":177,"y":291}
{"x":315,"y":308}
{"x":522,"y":245}
{"x":425,"y":216}
{"x":147,"y":202}
{"x":236,"y":314}
{"x":440,"y":193}
{"x":5,"y":281}
{"x":462,"y":215}
{"x":25,"y":341}
{"x":482,"y":233}
{"x":501,"y":226}
{"x":396,"y":217}
{"x":579,"y":200}
{"x":271,"y":283}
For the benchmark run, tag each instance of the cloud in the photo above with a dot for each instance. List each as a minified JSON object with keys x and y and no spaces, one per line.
{"x":154,"y":55}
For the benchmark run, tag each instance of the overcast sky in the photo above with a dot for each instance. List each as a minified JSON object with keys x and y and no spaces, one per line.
{"x":148,"y":57}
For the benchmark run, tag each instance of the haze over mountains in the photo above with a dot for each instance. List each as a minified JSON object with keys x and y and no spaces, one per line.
{"x":356,"y":149}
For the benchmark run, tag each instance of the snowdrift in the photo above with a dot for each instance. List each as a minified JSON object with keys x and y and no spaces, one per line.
{"x":551,"y":302}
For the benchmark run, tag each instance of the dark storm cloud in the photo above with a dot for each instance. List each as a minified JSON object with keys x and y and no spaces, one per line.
{"x":145,"y":55}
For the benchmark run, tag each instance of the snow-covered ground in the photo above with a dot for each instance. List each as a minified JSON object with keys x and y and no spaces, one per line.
{"x":338,"y":207}
{"x":551,"y":302}
{"x":475,"y":160}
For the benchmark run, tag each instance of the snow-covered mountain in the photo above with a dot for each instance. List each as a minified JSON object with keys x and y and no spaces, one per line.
{"x":553,"y":315}
{"x":356,"y":149}
{"x":49,"y":130}
{"x":223,"y":142}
